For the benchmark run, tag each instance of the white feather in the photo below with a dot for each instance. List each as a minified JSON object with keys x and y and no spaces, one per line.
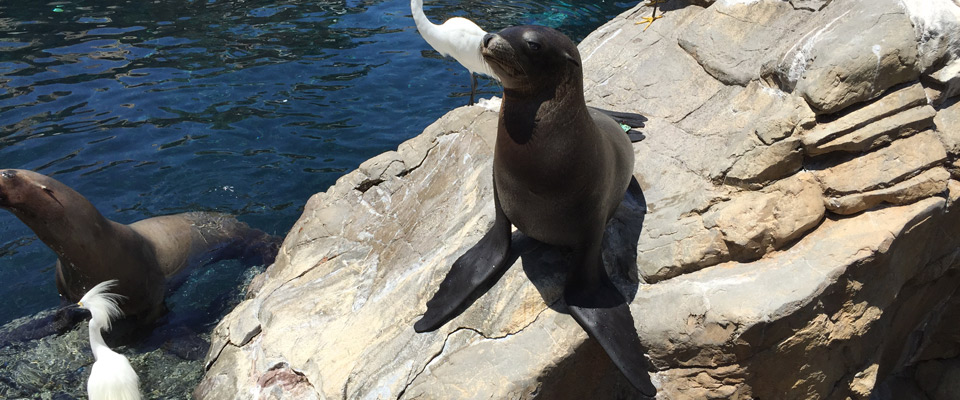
{"x":111,"y":376}
{"x":103,"y":306}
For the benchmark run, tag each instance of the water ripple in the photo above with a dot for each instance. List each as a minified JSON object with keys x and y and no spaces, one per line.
{"x":150,"y":108}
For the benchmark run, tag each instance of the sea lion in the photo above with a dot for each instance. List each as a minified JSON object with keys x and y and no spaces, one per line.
{"x":143,"y":256}
{"x":560,"y":170}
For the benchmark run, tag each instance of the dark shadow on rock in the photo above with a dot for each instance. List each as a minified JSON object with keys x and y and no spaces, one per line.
{"x":586,"y":374}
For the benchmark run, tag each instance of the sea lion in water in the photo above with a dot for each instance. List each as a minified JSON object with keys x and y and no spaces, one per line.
{"x":559,"y":170}
{"x":142,"y":256}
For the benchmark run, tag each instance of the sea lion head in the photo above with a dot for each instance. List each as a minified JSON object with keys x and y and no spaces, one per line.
{"x":29,"y":194}
{"x":532,"y":57}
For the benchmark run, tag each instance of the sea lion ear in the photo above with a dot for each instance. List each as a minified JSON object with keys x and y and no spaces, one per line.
{"x":572,"y":59}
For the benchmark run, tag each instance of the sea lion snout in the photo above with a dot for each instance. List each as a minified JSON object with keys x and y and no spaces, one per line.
{"x":5,"y":177}
{"x":487,"y":38}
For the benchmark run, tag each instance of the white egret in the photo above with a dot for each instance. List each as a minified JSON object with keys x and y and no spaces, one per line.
{"x":458,"y":38}
{"x":111,"y":376}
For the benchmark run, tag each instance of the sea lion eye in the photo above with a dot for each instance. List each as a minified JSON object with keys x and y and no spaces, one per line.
{"x":533,"y":45}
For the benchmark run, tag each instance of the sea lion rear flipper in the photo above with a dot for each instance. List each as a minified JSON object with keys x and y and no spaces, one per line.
{"x":605,"y":315}
{"x":472,"y":274}
{"x":632,"y":120}
{"x":615,"y":121}
{"x":597,"y":305}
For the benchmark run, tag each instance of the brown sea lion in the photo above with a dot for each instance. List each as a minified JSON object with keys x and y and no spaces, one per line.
{"x":143,"y":256}
{"x":560,"y":170}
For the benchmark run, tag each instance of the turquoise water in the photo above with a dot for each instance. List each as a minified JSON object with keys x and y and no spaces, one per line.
{"x":246,"y":107}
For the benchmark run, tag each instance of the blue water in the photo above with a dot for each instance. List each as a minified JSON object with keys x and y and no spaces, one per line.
{"x":246,"y":107}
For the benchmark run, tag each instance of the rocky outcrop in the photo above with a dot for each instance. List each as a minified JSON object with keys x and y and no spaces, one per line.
{"x":802,"y":240}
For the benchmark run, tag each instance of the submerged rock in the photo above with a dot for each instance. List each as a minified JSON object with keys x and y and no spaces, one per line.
{"x":801,"y":239}
{"x":166,"y":357}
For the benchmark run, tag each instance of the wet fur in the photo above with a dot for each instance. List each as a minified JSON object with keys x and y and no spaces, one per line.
{"x":145,"y":256}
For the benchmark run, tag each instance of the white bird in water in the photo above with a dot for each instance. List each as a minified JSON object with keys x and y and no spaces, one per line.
{"x":111,"y":376}
{"x":459,"y":38}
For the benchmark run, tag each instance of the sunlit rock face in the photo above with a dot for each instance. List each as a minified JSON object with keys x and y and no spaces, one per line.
{"x":802,"y":235}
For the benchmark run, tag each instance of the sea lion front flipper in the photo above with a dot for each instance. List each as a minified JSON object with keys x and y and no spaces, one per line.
{"x":473,"y":272}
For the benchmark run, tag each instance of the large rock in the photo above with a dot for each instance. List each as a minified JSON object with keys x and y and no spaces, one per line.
{"x":732,"y":39}
{"x":801,"y":238}
{"x":935,"y":23}
{"x":852,"y":51}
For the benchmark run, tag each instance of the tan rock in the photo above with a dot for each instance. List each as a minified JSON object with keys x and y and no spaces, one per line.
{"x":928,"y":183}
{"x":947,"y":122}
{"x":668,"y":249}
{"x":766,"y":163}
{"x":809,"y":5}
{"x":727,"y":37}
{"x":672,"y":84}
{"x":850,"y":52}
{"x":938,"y":51}
{"x":674,"y":240}
{"x":755,"y":223}
{"x":954,"y":190}
{"x":883,"y":167}
{"x":743,"y":122}
{"x":948,"y":77}
{"x":880,"y":132}
{"x":891,"y":103}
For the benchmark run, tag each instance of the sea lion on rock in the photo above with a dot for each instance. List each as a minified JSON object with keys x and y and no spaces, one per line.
{"x":142,"y":256}
{"x":559,"y":170}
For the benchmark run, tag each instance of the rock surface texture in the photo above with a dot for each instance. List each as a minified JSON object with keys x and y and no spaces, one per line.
{"x":802,"y":239}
